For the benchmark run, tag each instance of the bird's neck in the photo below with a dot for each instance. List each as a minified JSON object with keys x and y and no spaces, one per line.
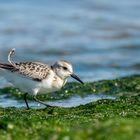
{"x":58,"y":82}
{"x":55,"y":71}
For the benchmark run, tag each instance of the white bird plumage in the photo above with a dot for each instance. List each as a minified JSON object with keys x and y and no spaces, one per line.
{"x":36,"y":77}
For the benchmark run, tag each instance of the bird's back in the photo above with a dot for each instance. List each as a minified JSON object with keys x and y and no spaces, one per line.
{"x":29,"y":76}
{"x":34,"y":70}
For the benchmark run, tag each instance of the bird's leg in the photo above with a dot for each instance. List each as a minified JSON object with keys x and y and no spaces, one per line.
{"x":25,"y":99}
{"x":37,"y":100}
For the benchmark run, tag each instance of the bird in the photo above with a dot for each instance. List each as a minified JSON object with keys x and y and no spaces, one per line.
{"x":35,"y":78}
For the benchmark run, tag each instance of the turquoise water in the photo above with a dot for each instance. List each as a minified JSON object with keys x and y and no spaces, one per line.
{"x":100,"y":38}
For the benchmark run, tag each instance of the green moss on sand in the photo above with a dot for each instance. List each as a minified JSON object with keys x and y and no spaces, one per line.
{"x":105,"y":119}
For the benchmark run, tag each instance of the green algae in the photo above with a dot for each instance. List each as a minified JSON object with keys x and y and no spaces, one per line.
{"x":102,"y":120}
{"x":117,"y":87}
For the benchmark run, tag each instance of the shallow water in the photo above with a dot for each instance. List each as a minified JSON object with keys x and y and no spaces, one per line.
{"x":71,"y":102}
{"x":77,"y":100}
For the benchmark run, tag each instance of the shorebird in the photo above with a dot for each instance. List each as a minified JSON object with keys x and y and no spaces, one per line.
{"x":37,"y":78}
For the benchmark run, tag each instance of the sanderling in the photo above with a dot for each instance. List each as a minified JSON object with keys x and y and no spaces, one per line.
{"x":37,"y":78}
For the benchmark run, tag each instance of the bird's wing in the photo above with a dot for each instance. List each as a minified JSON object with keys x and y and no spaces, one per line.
{"x":34,"y":70}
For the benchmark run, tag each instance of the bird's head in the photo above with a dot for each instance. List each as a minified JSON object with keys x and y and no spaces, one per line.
{"x":64,"y":70}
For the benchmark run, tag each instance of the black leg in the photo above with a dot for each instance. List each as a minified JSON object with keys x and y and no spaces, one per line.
{"x":25,"y":99}
{"x":37,"y":100}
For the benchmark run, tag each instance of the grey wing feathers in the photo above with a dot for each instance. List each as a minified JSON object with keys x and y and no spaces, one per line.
{"x":34,"y":70}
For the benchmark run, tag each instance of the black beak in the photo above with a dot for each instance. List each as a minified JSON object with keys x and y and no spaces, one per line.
{"x":77,"y":78}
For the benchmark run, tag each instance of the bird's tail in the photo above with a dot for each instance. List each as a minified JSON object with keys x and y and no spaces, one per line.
{"x":6,"y":66}
{"x":12,"y":64}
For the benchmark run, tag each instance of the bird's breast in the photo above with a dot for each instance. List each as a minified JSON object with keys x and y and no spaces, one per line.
{"x":51,"y":84}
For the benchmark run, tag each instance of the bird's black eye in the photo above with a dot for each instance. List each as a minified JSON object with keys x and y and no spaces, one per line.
{"x":65,"y":68}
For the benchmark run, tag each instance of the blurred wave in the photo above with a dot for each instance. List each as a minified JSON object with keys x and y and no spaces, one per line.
{"x":100,"y":38}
